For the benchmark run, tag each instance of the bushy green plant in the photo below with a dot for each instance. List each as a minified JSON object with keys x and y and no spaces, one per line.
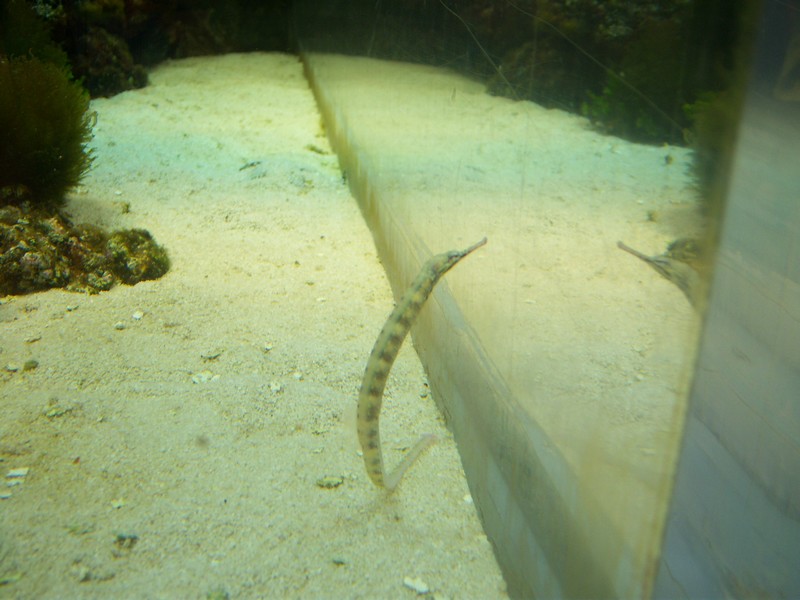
{"x":714,"y":117}
{"x":45,"y":128}
{"x":620,"y":111}
{"x":24,"y":34}
{"x":642,"y":97}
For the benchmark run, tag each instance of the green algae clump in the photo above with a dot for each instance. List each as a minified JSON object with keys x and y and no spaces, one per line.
{"x":46,"y":126}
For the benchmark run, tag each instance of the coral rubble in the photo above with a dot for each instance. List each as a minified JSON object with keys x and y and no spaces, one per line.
{"x":39,"y":251}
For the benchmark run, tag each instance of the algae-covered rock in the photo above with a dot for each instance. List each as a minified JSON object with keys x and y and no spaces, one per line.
{"x":134,"y":255}
{"x":107,"y":66}
{"x":39,"y":251}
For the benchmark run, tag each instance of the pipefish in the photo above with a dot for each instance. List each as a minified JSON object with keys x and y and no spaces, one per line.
{"x":678,"y":272}
{"x":380,"y":361}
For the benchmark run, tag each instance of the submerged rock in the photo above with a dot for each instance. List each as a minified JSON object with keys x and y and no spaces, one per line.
{"x":40,"y":251}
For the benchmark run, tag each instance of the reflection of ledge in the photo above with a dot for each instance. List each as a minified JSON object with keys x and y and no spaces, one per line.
{"x":749,"y":361}
{"x":734,"y":523}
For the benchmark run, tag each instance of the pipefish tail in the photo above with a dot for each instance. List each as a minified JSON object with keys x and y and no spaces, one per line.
{"x":380,"y":363}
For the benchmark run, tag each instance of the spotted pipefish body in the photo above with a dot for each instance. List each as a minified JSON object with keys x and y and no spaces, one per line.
{"x":380,"y":363}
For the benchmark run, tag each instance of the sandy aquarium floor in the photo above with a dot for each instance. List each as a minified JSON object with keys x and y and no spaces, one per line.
{"x":175,"y":436}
